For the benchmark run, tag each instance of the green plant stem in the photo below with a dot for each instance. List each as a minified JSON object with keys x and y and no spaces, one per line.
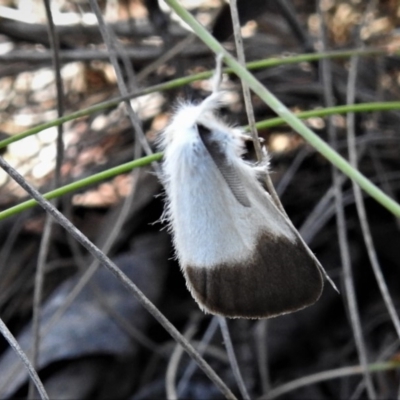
{"x":269,"y":123}
{"x":254,"y":65}
{"x":321,"y":146}
{"x":324,"y":112}
{"x":273,"y":122}
{"x":91,"y":180}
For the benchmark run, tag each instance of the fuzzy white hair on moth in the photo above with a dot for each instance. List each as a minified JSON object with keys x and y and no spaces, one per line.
{"x":240,"y":255}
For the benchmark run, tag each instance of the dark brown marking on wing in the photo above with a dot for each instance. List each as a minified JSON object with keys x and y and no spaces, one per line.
{"x":281,"y":278}
{"x":229,"y":173}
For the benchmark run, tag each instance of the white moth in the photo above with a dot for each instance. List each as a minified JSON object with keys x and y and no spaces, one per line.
{"x":240,"y":255}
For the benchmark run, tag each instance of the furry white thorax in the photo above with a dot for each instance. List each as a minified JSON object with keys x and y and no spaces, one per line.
{"x":209,"y":225}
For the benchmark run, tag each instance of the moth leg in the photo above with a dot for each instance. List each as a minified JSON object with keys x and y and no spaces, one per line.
{"x":248,"y":138}
{"x":245,"y":136}
{"x":262,"y":170}
{"x":262,"y":166}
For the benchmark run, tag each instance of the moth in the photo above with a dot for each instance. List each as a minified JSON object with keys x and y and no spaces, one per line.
{"x":240,"y":255}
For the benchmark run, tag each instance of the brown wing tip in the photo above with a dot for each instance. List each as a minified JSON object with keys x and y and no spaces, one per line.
{"x":281,"y":278}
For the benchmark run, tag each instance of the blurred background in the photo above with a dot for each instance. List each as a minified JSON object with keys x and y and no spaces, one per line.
{"x":96,"y":341}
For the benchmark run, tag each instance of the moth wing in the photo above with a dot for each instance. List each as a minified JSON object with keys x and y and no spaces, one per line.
{"x":279,"y":277}
{"x":226,"y":168}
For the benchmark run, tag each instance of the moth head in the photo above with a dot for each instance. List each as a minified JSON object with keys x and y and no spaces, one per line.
{"x":185,"y":118}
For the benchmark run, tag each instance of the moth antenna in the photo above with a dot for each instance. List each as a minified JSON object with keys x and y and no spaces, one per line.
{"x":217,"y":77}
{"x":213,"y":101}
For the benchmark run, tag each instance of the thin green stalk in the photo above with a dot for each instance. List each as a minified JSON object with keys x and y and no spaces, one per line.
{"x":310,"y":57}
{"x":91,"y":180}
{"x":269,"y":123}
{"x":270,"y":62}
{"x":324,"y":112}
{"x":285,"y":113}
{"x":254,"y":65}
